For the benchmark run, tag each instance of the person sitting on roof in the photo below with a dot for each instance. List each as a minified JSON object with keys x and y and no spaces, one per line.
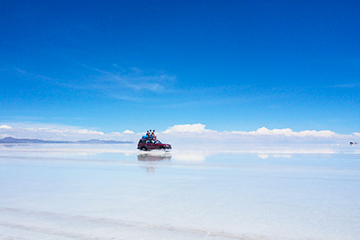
{"x":148,"y":134}
{"x":153,"y":135}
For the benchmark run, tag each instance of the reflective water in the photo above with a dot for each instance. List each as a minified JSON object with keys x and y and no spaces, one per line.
{"x":116,"y":192}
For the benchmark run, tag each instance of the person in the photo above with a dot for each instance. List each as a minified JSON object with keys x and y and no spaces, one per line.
{"x":153,"y":135}
{"x":146,"y":136}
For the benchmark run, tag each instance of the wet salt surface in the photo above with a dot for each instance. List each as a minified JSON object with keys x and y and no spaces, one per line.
{"x":115,"y":192}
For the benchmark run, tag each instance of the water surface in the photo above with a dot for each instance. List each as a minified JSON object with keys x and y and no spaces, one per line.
{"x":54,"y":191}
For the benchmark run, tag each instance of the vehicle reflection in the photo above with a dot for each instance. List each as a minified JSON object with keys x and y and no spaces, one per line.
{"x":150,"y":160}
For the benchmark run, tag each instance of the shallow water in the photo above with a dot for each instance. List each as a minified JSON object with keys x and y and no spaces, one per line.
{"x":54,"y":191}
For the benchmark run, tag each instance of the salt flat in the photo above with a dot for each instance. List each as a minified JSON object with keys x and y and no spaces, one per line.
{"x":54,"y":191}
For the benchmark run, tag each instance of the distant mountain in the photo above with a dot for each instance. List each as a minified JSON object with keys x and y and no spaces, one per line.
{"x":92,"y":141}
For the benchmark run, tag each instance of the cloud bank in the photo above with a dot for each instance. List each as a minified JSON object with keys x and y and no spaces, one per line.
{"x":186,"y":134}
{"x":287,"y":132}
{"x":198,"y":132}
{"x":56,"y":132}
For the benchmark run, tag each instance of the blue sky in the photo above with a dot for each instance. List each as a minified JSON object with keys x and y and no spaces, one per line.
{"x":230,"y":65}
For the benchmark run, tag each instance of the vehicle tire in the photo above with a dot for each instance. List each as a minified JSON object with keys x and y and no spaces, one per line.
{"x":143,"y":149}
{"x":162,"y":148}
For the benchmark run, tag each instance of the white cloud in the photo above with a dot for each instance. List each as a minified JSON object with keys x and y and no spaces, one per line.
{"x":263,"y":156}
{"x":85,"y":131}
{"x":121,"y":84}
{"x":49,"y":132}
{"x":132,"y":79}
{"x":347,"y":85}
{"x":65,"y":131}
{"x":287,"y":132}
{"x":188,"y":128}
{"x":128,"y":132}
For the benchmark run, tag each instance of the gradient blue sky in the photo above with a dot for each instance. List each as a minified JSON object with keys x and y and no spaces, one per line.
{"x":138,"y":65}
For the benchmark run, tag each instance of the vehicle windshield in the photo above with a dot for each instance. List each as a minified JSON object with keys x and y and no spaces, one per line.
{"x":157,"y":141}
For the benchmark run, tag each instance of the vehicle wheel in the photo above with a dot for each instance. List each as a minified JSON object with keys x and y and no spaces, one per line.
{"x":143,"y":149}
{"x":162,"y":148}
